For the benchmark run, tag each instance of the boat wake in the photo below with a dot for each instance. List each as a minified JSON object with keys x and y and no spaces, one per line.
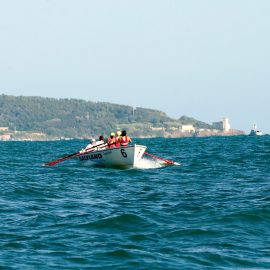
{"x":146,"y":163}
{"x":142,"y":164}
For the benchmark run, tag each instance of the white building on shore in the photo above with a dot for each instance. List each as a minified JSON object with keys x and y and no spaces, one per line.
{"x":5,"y":137}
{"x":188,"y":128}
{"x":3,"y":128}
{"x":223,"y":125}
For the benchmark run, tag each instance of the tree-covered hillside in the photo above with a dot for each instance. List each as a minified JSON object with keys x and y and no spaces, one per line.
{"x":78,"y":118}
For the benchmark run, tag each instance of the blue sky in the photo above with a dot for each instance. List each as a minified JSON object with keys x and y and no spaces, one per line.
{"x":202,"y":58}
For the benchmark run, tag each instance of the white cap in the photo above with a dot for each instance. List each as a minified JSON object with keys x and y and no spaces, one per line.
{"x":93,"y":140}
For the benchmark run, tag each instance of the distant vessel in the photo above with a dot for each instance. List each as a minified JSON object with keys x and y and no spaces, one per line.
{"x":256,"y":132}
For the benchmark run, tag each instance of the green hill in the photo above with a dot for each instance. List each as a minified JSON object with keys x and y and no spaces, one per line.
{"x":79,"y":118}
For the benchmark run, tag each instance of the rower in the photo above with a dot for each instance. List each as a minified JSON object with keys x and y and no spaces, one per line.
{"x":125,"y":139}
{"x":101,"y":145}
{"x":96,"y":145}
{"x":111,"y":140}
{"x":118,"y":139}
{"x":90,"y":145}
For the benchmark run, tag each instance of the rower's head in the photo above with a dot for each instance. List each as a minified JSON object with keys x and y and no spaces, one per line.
{"x":124,"y":133}
{"x":112,"y":135}
{"x":118,"y":133}
{"x":101,"y":138}
{"x":93,"y":140}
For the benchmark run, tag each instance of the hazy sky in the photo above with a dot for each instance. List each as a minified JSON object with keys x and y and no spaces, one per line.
{"x":202,"y":58}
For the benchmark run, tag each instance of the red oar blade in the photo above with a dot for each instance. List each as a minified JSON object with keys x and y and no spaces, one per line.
{"x":164,"y":160}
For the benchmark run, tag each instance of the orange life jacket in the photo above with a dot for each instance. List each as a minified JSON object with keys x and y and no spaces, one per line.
{"x":111,"y":142}
{"x":125,"y":140}
{"x":118,"y":141}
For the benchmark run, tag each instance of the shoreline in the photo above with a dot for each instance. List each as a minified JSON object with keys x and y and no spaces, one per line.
{"x":46,"y":139}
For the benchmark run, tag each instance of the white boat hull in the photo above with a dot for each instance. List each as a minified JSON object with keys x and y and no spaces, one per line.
{"x":256,"y":133}
{"x":127,"y":156}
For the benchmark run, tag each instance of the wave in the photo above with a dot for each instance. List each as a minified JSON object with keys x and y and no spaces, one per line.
{"x":125,"y":222}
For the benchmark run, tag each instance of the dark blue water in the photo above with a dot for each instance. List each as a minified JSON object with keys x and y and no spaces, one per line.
{"x":212,"y":212}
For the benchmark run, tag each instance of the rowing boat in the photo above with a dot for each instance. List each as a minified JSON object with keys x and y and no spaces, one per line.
{"x":125,"y":157}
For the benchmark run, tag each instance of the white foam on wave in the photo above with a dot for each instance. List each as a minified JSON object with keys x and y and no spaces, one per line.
{"x":146,"y":163}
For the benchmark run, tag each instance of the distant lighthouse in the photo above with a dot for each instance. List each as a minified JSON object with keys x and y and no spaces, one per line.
{"x":226,"y":124}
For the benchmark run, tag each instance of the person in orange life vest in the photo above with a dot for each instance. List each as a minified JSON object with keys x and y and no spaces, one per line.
{"x":111,"y":140}
{"x":118,"y":139}
{"x":125,"y":139}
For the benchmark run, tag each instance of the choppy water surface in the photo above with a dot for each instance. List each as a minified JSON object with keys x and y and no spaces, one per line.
{"x":213,"y":211}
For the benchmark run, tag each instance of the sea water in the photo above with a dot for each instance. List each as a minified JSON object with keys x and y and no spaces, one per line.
{"x":212,"y":212}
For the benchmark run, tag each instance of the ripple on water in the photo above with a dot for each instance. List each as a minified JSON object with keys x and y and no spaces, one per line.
{"x":212,"y":212}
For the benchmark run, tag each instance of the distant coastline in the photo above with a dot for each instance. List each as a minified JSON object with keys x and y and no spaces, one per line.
{"x":36,"y":136}
{"x":42,"y":119}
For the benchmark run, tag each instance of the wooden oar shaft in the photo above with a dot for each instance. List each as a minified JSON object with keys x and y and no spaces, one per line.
{"x":165,"y":160}
{"x":54,"y":162}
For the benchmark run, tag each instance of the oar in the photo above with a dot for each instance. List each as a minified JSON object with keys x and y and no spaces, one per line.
{"x":165,"y":160}
{"x":54,"y":162}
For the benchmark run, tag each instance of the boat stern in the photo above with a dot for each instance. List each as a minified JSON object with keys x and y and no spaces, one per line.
{"x":138,"y":153}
